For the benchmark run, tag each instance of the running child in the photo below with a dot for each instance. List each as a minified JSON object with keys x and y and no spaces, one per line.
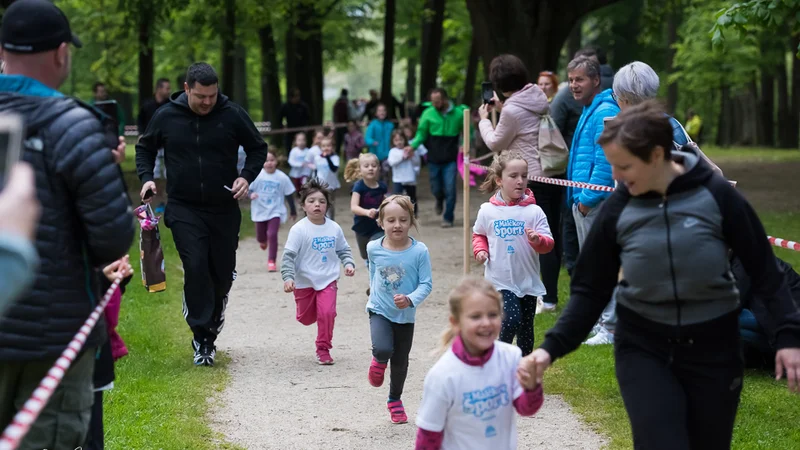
{"x":353,"y":141}
{"x":471,"y":394}
{"x":368,"y":194}
{"x":400,"y":280}
{"x":325,"y":168}
{"x":405,"y":165}
{"x":510,"y":232}
{"x":299,"y":171}
{"x":310,"y":265}
{"x":269,"y":193}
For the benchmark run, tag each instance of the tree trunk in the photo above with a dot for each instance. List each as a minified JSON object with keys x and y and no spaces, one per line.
{"x":539,"y":32}
{"x":411,"y":73}
{"x":574,"y":40}
{"x":766,"y":108}
{"x":229,"y":47}
{"x":146,"y":57}
{"x":240,"y":77}
{"x":794,"y":137}
{"x":725,"y":112}
{"x":472,"y":69}
{"x":388,"y":57}
{"x":673,"y":24}
{"x":270,"y":78}
{"x":317,"y":73}
{"x":290,"y":65}
{"x":784,"y":121}
{"x":432,"y":32}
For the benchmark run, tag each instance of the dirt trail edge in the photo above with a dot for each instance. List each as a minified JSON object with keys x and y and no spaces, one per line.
{"x":279,"y":398}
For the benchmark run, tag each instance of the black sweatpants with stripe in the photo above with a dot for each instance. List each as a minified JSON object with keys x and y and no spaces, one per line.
{"x":206,"y":240}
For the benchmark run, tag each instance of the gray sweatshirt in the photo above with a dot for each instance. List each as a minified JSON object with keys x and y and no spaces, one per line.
{"x":673,"y":251}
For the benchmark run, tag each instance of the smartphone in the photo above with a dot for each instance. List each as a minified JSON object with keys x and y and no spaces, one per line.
{"x":148,"y":194}
{"x":487,"y":92}
{"x":11,"y":136}
{"x":110,"y":125}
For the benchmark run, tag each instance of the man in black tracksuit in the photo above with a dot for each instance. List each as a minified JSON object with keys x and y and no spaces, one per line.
{"x":200,"y":131}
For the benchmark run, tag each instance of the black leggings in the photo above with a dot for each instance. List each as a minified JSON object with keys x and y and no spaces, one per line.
{"x":518,"y":315}
{"x":679,"y":393}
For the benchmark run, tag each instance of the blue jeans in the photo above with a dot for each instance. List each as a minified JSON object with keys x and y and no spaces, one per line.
{"x":443,"y":185}
{"x":753,"y":335}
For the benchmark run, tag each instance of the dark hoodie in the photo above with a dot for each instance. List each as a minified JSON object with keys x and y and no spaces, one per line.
{"x":201,"y":152}
{"x":673,"y":250}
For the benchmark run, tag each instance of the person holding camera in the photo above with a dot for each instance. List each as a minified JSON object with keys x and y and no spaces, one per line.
{"x":85,"y":223}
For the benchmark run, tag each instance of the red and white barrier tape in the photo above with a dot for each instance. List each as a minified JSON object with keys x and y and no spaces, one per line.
{"x":777,"y":242}
{"x":25,"y":417}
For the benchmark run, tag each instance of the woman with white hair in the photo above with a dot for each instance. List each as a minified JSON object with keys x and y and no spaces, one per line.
{"x":637,"y":82}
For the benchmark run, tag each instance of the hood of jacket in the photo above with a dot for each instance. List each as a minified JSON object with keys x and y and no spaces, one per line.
{"x":526,"y":199}
{"x":181,"y":99}
{"x":530,"y":98}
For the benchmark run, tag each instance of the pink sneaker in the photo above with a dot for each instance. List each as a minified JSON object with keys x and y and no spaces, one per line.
{"x":324,"y":358}
{"x":376,"y":371}
{"x":397,"y":412}
{"x":271,"y":267}
{"x":263,"y":245}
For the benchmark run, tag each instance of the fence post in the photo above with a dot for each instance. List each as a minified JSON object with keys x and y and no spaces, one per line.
{"x":466,"y":178}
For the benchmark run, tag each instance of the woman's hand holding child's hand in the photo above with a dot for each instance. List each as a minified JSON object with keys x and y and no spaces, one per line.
{"x":288,"y":286}
{"x":533,"y":236}
{"x":482,"y":256}
{"x":349,"y":271}
{"x":531,"y":368}
{"x":401,"y":301}
{"x":120,"y":268}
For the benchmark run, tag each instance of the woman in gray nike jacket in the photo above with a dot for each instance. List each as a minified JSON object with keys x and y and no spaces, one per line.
{"x":670,"y":226}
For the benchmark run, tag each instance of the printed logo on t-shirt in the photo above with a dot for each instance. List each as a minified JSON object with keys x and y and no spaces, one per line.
{"x":323,"y":243}
{"x":508,"y":227}
{"x":372,"y":199}
{"x":490,"y":432}
{"x":483,"y":402}
{"x":392,"y":277}
{"x":510,"y":249}
{"x":268,"y":189}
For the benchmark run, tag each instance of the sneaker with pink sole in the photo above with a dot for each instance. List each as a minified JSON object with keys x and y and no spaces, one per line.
{"x":272,"y":267}
{"x":397,"y":412}
{"x":376,"y":373}
{"x":324,"y":358}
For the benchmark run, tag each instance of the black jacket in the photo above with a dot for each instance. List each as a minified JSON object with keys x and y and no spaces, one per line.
{"x":146,"y":113}
{"x":86,"y":222}
{"x":201,"y":152}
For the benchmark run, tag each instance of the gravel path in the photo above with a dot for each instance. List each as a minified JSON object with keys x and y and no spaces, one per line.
{"x":279,"y":398}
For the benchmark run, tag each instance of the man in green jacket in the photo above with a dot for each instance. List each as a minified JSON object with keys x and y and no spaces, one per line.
{"x":439,"y":129}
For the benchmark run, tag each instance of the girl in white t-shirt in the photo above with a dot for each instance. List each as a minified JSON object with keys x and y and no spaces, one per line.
{"x":471,"y":394}
{"x":299,"y":171}
{"x":325,"y":168}
{"x":510,"y":232}
{"x":405,"y":164}
{"x":269,"y":193}
{"x":310,"y":265}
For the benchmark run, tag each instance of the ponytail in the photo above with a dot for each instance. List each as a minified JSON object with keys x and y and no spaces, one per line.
{"x":352,"y":171}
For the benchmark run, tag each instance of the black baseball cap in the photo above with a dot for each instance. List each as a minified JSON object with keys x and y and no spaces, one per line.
{"x":35,"y":26}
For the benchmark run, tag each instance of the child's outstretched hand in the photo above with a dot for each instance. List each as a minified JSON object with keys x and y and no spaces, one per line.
{"x":401,"y":301}
{"x":349,"y":271}
{"x":253,"y":196}
{"x":288,"y":286}
{"x":482,"y":256}
{"x":373,"y":213}
{"x":293,"y":217}
{"x":533,"y":236}
{"x":120,"y":268}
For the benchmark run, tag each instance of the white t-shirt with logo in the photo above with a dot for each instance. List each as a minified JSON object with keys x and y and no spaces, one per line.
{"x":271,"y":189}
{"x":317,"y":264}
{"x":513,"y":265}
{"x":322,"y":169}
{"x":297,"y":161}
{"x":473,"y":405}
{"x":404,"y":170}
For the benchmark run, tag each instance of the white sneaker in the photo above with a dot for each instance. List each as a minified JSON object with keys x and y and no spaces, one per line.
{"x":548,"y":307}
{"x":539,"y":305}
{"x":602,"y":337}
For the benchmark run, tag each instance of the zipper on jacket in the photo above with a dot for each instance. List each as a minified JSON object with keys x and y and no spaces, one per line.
{"x":199,"y":159}
{"x":672,"y":269}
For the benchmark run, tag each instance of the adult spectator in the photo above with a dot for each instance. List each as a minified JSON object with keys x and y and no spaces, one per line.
{"x":670,"y":226}
{"x":296,"y":113}
{"x":19,"y":213}
{"x":100,"y":94}
{"x":439,"y":129}
{"x":565,"y":111}
{"x":146,"y":112}
{"x":587,"y":162}
{"x":341,"y":114}
{"x":548,"y":83}
{"x":85,"y":223}
{"x":518,"y":131}
{"x":637,"y":82}
{"x":372,"y":106}
{"x":203,"y":189}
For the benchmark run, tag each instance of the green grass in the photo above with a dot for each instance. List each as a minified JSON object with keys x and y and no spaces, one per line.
{"x":752,"y":154}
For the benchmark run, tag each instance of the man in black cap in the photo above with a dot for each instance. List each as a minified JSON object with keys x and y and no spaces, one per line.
{"x":200,"y":131}
{"x":85,"y":223}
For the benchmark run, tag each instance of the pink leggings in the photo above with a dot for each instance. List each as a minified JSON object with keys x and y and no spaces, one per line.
{"x":320,"y":307}
{"x":267,"y":232}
